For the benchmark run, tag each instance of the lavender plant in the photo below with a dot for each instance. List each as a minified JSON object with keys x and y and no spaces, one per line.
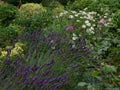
{"x":50,"y":62}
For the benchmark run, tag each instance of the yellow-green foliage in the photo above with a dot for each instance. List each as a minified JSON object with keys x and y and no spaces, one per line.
{"x":14,"y":51}
{"x":58,"y":10}
{"x":17,"y":28}
{"x":32,"y":9}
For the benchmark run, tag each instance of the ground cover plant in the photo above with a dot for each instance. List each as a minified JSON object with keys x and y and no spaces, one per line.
{"x":60,"y":45}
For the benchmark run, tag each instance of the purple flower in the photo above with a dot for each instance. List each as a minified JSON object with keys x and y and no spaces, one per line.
{"x":8,"y":52}
{"x":75,"y":66}
{"x":51,"y":62}
{"x":25,"y":80}
{"x":34,"y":68}
{"x":69,"y":28}
{"x":6,"y":61}
{"x":45,"y":73}
{"x":53,"y":79}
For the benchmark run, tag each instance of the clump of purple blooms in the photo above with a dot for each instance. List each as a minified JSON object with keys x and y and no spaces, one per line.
{"x":21,"y":74}
{"x":17,"y":75}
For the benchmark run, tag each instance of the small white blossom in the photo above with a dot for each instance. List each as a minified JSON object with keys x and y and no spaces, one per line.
{"x":51,"y":41}
{"x":84,"y":13}
{"x":92,"y":12}
{"x":76,"y":15}
{"x":65,"y":12}
{"x":98,"y":14}
{"x":81,"y":17}
{"x":86,"y":21}
{"x":85,"y":9}
{"x":109,"y":19}
{"x":83,"y":26}
{"x":74,"y":35}
{"x":85,"y":17}
{"x":53,"y":47}
{"x":56,"y":16}
{"x":73,"y":46}
{"x":92,"y":32}
{"x":73,"y":12}
{"x":71,"y":16}
{"x":74,"y":38}
{"x":91,"y":28}
{"x":77,"y":20}
{"x":61,"y":14}
{"x":94,"y":25}
{"x":105,"y":16}
{"x":88,"y":24}
{"x":80,"y":11}
{"x":89,"y":31}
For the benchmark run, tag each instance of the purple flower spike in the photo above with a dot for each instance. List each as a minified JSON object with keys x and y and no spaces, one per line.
{"x":45,"y":73}
{"x":8,"y":52}
{"x":34,"y":68}
{"x":6,"y":61}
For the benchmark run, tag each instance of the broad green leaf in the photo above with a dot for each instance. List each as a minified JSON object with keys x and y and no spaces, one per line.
{"x":82,"y":84}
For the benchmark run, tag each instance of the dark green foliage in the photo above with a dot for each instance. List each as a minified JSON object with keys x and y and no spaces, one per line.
{"x":7,"y":14}
{"x":81,"y":4}
{"x":14,"y":2}
{"x":19,"y":2}
{"x":6,"y":35}
{"x":64,"y":2}
{"x":116,"y":19}
{"x":112,"y":5}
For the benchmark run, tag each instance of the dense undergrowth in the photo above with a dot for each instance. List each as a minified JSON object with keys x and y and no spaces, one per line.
{"x":60,"y":45}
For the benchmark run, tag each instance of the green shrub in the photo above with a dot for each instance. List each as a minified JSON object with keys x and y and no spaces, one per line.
{"x":31,"y":9}
{"x":51,"y":4}
{"x":18,"y":2}
{"x":81,"y":4}
{"x":58,"y":10}
{"x":7,"y":14}
{"x":14,"y":2}
{"x":64,"y":2}
{"x":97,"y":5}
{"x":33,"y":16}
{"x":6,"y":35}
{"x":116,"y":19}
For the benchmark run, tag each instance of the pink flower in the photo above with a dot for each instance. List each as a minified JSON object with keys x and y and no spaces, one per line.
{"x":69,"y":28}
{"x":102,"y":21}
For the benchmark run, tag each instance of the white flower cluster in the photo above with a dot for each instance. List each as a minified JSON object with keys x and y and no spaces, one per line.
{"x":86,"y":20}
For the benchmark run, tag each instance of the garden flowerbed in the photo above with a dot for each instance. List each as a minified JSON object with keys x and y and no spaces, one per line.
{"x":60,"y":45}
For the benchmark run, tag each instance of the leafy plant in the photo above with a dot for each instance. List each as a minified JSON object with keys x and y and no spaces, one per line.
{"x":7,"y":34}
{"x":7,"y":14}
